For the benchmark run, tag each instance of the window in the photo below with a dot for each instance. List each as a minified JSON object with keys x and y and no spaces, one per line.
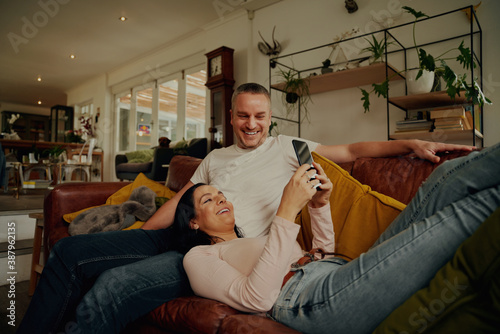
{"x":172,"y":107}
{"x":144,"y":120}
{"x":122,"y":104}
{"x":195,"y":105}
{"x":168,"y":109}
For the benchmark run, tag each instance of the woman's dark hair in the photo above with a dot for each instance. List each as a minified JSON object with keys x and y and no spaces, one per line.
{"x":184,"y":237}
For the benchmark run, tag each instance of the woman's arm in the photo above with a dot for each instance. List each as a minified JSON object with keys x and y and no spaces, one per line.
{"x":319,"y":211}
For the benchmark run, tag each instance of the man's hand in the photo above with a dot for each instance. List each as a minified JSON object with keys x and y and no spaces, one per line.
{"x":428,"y":150}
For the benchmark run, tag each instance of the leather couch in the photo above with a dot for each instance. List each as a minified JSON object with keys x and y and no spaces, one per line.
{"x":156,"y":170}
{"x":398,"y":177}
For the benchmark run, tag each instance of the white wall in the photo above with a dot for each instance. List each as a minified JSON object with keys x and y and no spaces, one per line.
{"x":336,"y":117}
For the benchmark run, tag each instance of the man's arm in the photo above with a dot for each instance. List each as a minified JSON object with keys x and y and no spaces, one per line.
{"x":164,"y":216}
{"x":422,"y":149}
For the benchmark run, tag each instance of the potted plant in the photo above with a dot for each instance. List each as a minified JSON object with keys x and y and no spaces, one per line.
{"x":54,"y":153}
{"x":294,"y":87}
{"x":455,"y":84}
{"x":376,"y":48}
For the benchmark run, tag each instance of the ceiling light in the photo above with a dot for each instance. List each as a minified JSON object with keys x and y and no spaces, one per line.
{"x":123,"y":18}
{"x":39,"y":78}
{"x":72,"y":56}
{"x":39,"y":102}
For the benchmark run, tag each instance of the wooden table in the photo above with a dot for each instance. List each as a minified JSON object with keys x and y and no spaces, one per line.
{"x":8,"y":145}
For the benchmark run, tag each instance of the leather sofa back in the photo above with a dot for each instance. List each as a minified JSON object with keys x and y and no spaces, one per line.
{"x":181,"y":169}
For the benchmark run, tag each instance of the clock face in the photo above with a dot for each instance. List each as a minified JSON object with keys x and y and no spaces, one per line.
{"x":215,"y":66}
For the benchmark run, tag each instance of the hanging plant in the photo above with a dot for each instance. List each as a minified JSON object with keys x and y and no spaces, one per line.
{"x":295,"y":87}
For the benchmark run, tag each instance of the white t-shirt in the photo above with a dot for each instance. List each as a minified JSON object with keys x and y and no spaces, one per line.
{"x":252,"y":179}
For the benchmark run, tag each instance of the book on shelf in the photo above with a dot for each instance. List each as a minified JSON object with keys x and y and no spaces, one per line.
{"x":446,"y":112}
{"x":451,"y":118}
{"x":413,"y":125}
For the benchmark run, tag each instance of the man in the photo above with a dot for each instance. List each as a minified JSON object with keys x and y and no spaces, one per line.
{"x":125,"y":274}
{"x":258,"y":164}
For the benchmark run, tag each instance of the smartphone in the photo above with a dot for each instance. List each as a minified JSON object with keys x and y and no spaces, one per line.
{"x":302,"y":152}
{"x":304,"y":156}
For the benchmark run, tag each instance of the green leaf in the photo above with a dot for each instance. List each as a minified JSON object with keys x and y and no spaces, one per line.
{"x":412,"y":11}
{"x":465,"y":57}
{"x":426,"y":61}
{"x":365,"y":99}
{"x":381,"y":89}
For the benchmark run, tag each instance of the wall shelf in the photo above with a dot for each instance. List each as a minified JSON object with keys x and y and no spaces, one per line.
{"x":452,"y":135}
{"x":402,"y":54}
{"x":349,"y":78}
{"x":426,"y":100}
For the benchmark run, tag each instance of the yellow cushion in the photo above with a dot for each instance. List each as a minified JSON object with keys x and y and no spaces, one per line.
{"x":359,"y":214}
{"x":135,"y":225}
{"x":124,"y":193}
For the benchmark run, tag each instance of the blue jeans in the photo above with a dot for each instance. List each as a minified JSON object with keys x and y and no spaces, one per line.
{"x":332,"y":296}
{"x":97,"y":283}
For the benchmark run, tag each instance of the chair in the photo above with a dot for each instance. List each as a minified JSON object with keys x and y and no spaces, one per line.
{"x":85,"y":166}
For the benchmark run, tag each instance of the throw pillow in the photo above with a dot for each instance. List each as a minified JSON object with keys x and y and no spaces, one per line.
{"x":124,"y":193}
{"x":359,"y":214}
{"x":463,"y":297}
{"x":180,"y":147}
{"x":140,"y":156}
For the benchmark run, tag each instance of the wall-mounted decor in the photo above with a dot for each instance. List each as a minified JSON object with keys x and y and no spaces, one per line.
{"x":268,"y":49}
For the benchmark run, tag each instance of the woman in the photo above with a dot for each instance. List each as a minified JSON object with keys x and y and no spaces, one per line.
{"x":332,"y":295}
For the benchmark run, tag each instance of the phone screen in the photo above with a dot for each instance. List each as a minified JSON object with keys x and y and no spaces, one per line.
{"x":302,"y":152}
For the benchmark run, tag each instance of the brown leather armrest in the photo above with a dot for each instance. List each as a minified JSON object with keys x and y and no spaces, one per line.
{"x":71,"y":197}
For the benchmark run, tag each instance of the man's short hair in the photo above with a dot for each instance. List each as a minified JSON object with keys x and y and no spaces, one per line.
{"x":251,"y":88}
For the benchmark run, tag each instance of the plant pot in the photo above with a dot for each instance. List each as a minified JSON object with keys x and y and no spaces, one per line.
{"x":420,"y":85}
{"x":291,"y":97}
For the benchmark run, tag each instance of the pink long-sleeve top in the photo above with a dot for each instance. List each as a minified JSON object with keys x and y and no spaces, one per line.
{"x":247,"y":273}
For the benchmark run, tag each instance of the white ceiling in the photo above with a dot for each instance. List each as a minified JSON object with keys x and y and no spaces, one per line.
{"x":38,"y":41}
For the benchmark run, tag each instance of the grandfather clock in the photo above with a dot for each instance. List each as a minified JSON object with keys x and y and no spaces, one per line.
{"x":220,"y":81}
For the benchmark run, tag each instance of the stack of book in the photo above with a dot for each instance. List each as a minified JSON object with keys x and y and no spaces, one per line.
{"x":412,"y":125}
{"x":451,"y":118}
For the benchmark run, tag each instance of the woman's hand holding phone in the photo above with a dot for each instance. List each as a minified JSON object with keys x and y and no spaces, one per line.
{"x":321,"y":198}
{"x":300,"y":189}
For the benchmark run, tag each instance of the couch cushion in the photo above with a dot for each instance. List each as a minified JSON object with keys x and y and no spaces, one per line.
{"x":359,"y":214}
{"x":463,"y":297}
{"x":398,"y":177}
{"x":191,"y":315}
{"x":180,"y":171}
{"x":253,"y":323}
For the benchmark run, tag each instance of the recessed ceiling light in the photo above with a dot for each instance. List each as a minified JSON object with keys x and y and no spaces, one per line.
{"x":39,"y":78}
{"x":39,"y":102}
{"x":123,"y":18}
{"x":72,"y":56}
